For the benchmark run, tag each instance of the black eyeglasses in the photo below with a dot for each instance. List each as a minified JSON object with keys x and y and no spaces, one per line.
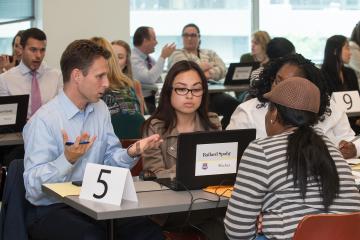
{"x":190,"y":35}
{"x":197,"y":92}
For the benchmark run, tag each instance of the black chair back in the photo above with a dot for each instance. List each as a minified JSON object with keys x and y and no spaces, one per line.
{"x":14,"y":205}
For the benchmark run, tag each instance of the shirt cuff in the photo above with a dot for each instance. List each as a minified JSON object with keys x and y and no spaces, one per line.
{"x":63,"y":165}
{"x":357,"y":146}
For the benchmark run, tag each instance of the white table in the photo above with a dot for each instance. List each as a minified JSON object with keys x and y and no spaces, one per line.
{"x":151,"y":202}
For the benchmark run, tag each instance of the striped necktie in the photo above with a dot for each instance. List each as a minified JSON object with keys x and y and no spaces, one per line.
{"x":35,"y":94}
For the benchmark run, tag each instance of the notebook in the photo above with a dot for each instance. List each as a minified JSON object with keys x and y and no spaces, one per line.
{"x":208,"y":158}
{"x":13,"y":113}
{"x":239,"y":73}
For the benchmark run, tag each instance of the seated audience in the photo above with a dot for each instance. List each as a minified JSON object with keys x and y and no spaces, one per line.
{"x":354,"y":44}
{"x":144,"y":67}
{"x":340,"y":77}
{"x":6,"y":61}
{"x":212,"y":65}
{"x":123,"y":53}
{"x":333,"y":120}
{"x":182,"y":108}
{"x":77,"y":115}
{"x":294,"y":172}
{"x":259,"y":42}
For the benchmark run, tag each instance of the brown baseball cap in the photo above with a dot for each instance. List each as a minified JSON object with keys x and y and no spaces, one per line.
{"x":297,"y":93}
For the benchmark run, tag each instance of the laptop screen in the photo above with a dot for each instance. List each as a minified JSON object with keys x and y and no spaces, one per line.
{"x":210,"y":158}
{"x":216,"y":158}
{"x":13,"y":113}
{"x":239,"y":73}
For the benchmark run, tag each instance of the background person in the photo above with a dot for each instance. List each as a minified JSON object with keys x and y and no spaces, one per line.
{"x":212,"y":65}
{"x":7,"y":62}
{"x":123,"y":53}
{"x":121,"y":96}
{"x":259,"y":43}
{"x":340,"y":78}
{"x":144,"y":67}
{"x":32,"y":76}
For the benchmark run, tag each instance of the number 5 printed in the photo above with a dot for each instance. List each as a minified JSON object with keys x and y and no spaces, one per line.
{"x":99,"y":180}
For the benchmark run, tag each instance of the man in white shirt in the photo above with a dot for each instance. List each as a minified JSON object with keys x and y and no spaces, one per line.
{"x":29,"y":77}
{"x":145,"y":68}
{"x":21,"y":79}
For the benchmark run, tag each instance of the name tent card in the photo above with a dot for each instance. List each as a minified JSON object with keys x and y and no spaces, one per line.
{"x":349,"y":101}
{"x":107,"y":184}
{"x":8,"y":114}
{"x":216,"y":158}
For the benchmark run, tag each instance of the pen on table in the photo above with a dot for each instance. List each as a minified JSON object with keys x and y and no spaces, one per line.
{"x":71,"y":143}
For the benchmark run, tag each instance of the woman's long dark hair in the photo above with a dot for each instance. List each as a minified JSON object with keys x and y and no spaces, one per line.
{"x":306,"y":69}
{"x":333,"y":64}
{"x":307,"y":154}
{"x":165,"y":111}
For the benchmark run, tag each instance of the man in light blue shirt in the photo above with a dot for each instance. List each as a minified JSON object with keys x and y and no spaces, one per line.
{"x":76,"y":115}
{"x":145,"y":68}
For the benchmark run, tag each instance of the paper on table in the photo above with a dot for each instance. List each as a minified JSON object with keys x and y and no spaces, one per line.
{"x":355,"y":167}
{"x":63,"y":189}
{"x":224,"y":191}
{"x":353,"y":161}
{"x":356,"y":175}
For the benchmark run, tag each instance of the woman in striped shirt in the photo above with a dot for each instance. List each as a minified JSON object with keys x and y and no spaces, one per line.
{"x":294,"y":172}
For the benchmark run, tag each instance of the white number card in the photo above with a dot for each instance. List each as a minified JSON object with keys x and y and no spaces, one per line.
{"x":349,"y":101}
{"x":107,"y":184}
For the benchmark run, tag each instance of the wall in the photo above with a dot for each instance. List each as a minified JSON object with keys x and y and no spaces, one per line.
{"x":66,"y":20}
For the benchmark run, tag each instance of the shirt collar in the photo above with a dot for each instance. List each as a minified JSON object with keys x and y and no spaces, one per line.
{"x":25,"y":70}
{"x":71,"y":109}
{"x":140,"y":53}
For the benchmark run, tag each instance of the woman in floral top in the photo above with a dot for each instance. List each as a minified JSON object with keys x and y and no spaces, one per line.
{"x":120,"y":97}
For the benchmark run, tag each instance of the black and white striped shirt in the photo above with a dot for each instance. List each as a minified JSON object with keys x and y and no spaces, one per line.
{"x":262,"y":185}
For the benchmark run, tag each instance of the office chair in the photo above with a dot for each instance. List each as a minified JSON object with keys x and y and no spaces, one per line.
{"x":329,"y":227}
{"x":127,"y":126}
{"x":14,"y":205}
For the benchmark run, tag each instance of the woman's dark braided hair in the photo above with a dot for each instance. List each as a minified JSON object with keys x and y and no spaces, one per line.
{"x":306,"y":69}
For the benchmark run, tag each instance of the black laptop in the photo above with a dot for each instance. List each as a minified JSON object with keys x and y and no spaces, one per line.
{"x":13,"y":113}
{"x":239,"y":73}
{"x":208,"y":158}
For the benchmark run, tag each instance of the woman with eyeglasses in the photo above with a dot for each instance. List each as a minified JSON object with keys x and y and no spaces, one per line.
{"x":182,"y":108}
{"x":211,"y":64}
